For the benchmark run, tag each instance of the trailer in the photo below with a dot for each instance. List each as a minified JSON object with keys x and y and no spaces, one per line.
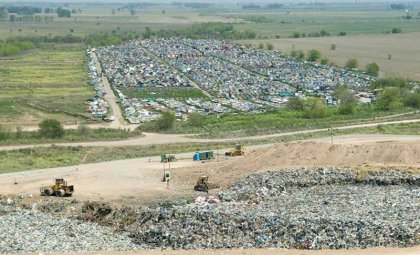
{"x":205,"y":155}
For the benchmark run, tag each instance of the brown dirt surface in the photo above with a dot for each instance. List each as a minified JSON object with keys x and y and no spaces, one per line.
{"x":365,"y":48}
{"x":139,"y":181}
{"x":361,"y":156}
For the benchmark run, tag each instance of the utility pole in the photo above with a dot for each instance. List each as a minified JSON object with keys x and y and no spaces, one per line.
{"x":332,"y":135}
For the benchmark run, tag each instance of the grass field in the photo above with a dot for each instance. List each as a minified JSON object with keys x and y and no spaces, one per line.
{"x":405,"y":56}
{"x":42,"y":83}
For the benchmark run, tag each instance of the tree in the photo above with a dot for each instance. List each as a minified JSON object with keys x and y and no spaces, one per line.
{"x":166,"y":122}
{"x":351,"y":63}
{"x":389,"y":99}
{"x":333,"y":46}
{"x":314,"y":55}
{"x":269,"y":46}
{"x":261,"y":45}
{"x":344,"y":94}
{"x":315,"y":108}
{"x":372,"y":69}
{"x":51,"y":128}
{"x":132,"y":12}
{"x":413,"y":100}
{"x":63,"y":13}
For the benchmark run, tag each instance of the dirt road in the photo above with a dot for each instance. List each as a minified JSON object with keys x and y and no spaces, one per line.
{"x":155,"y":138}
{"x":110,"y":97}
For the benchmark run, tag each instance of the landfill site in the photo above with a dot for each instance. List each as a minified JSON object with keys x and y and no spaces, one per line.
{"x":312,"y":197}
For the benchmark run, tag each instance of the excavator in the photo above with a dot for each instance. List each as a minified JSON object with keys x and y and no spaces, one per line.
{"x":59,"y":189}
{"x":239,"y":150}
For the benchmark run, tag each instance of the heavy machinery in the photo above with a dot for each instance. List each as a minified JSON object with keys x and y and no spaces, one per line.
{"x":59,"y":188}
{"x":239,"y":150}
{"x":204,"y":185}
{"x":165,"y":158}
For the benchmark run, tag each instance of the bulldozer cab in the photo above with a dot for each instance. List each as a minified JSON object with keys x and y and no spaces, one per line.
{"x":60,"y":182}
{"x":203,"y":180}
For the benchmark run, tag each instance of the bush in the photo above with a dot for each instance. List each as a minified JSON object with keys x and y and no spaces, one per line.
{"x":372,"y":69}
{"x":413,"y":100}
{"x":314,"y":55}
{"x":295,"y":103}
{"x":196,"y":120}
{"x":389,"y":99}
{"x":351,"y":64}
{"x":51,"y":128}
{"x":4,"y":134}
{"x":396,"y":30}
{"x":315,"y":108}
{"x":346,"y":109}
{"x":324,"y":61}
{"x":297,"y":54}
{"x":166,"y":122}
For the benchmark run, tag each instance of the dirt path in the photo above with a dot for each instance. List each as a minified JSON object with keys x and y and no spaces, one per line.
{"x":110,"y":97}
{"x":155,"y":138}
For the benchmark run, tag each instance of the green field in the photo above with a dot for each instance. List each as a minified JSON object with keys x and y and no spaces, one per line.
{"x":45,"y":82}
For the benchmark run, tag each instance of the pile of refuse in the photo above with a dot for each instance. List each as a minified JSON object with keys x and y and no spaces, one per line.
{"x":298,"y":208}
{"x":325,"y":208}
{"x":39,"y":228}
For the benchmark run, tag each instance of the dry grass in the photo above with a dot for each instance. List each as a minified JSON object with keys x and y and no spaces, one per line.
{"x":405,"y":59}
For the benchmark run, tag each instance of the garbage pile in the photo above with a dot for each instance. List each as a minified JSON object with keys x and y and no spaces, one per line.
{"x":31,"y":230}
{"x":298,"y":208}
{"x":325,"y":208}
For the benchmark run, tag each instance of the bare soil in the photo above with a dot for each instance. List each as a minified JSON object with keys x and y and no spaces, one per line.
{"x":405,"y":57}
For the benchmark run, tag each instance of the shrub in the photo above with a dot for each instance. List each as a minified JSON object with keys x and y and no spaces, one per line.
{"x":351,"y":63}
{"x":413,"y":100}
{"x":314,"y":55}
{"x":196,"y":120}
{"x":166,"y":122}
{"x":372,"y":69}
{"x":51,"y":128}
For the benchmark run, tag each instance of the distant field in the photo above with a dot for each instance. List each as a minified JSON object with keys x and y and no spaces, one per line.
{"x":405,"y":60}
{"x":44,"y":83}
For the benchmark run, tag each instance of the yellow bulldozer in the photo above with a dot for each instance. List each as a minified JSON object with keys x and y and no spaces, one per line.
{"x":239,"y":150}
{"x":59,"y":188}
{"x":204,"y":185}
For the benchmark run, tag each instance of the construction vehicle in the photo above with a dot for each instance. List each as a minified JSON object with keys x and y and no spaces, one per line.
{"x":60,"y":189}
{"x":165,"y":158}
{"x":239,"y":150}
{"x":204,"y":185}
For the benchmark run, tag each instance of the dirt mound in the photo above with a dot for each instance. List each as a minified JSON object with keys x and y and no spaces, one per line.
{"x":327,"y":154}
{"x":400,"y":155}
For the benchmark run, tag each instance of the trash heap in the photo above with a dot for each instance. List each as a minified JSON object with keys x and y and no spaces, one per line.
{"x":298,"y":208}
{"x":29,"y":229}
